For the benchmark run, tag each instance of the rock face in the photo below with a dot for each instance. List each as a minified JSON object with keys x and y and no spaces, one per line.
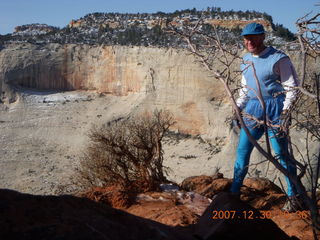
{"x":166,"y":76}
{"x":74,"y":67}
{"x":237,"y":23}
{"x":33,"y":29}
{"x":110,"y":69}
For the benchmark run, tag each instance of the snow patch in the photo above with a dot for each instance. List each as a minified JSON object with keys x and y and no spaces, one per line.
{"x":50,"y":97}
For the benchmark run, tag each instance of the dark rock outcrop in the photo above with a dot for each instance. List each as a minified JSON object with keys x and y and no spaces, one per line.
{"x":247,"y":222}
{"x":24,"y":216}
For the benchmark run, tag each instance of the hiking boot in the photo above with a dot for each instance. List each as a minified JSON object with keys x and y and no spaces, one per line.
{"x":292,"y":204}
{"x":235,"y":195}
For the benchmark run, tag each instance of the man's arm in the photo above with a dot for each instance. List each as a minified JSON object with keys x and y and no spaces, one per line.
{"x":289,"y":80}
{"x":243,"y":94}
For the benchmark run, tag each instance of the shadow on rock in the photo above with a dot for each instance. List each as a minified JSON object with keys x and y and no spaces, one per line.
{"x":229,"y":218}
{"x":24,"y":216}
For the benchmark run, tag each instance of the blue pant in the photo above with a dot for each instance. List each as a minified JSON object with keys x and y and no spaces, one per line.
{"x":245,"y":147}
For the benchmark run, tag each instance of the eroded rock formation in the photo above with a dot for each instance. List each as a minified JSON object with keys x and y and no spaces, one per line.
{"x":167,"y":77}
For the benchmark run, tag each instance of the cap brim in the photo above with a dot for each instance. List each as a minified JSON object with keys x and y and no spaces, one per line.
{"x":254,"y":33}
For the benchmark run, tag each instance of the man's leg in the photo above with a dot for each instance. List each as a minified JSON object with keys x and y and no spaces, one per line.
{"x":243,"y":155}
{"x":280,"y":147}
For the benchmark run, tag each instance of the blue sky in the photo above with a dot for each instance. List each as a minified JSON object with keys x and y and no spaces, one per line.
{"x":60,"y":12}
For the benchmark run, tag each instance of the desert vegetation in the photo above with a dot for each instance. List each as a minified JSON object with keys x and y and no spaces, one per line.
{"x":127,"y":153}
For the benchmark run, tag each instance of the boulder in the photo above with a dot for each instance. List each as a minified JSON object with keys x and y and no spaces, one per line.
{"x":206,"y":185}
{"x":260,"y":193}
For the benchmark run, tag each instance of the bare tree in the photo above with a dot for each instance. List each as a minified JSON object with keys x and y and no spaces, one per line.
{"x":210,"y":51}
{"x":307,"y":111}
{"x":127,"y":152}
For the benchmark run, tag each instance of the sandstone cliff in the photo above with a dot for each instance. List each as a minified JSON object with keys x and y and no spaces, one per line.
{"x":166,"y":76}
{"x":239,"y":23}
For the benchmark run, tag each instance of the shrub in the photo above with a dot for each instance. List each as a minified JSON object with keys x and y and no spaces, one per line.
{"x":127,"y":152}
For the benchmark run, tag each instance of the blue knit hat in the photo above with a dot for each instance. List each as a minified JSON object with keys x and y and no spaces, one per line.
{"x":253,"y":28}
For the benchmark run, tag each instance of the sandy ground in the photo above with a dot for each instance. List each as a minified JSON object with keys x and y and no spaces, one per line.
{"x":43,"y":136}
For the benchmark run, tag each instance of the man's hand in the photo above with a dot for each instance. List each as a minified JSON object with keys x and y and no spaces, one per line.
{"x":235,"y":120}
{"x":285,"y":121}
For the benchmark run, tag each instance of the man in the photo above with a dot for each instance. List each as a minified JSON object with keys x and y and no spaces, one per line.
{"x":277,"y":78}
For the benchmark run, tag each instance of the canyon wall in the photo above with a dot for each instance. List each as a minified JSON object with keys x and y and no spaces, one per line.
{"x":168,"y":78}
{"x":111,"y":69}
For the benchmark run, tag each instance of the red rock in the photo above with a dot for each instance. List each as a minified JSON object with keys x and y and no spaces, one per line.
{"x":164,"y":212}
{"x":262,"y":184}
{"x":205,"y":185}
{"x":170,"y":208}
{"x":294,"y":224}
{"x":240,"y":226}
{"x":113,"y":196}
{"x":260,"y":193}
